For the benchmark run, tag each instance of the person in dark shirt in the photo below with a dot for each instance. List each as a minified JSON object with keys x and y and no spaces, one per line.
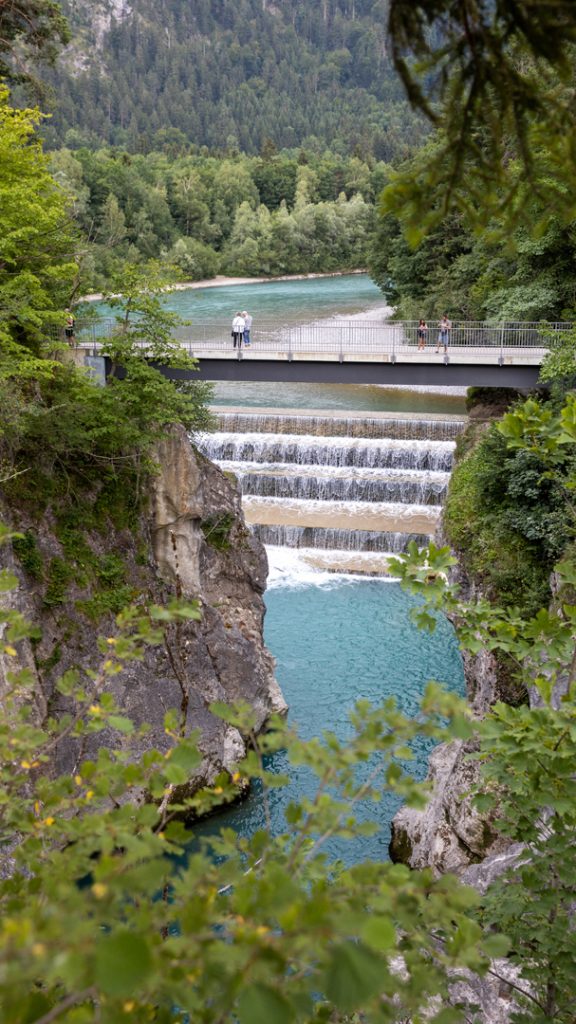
{"x":70,"y":328}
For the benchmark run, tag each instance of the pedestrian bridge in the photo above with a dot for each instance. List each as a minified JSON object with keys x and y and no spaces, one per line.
{"x":361,"y":352}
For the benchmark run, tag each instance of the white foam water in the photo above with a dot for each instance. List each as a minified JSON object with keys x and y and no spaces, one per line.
{"x":334,"y":451}
{"x":430,"y":476}
{"x":294,"y":567}
{"x":333,"y":483}
{"x":351,"y":509}
{"x":334,"y":499}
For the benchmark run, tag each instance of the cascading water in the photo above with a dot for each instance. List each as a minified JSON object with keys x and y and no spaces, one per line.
{"x":335,"y":478}
{"x":339,"y":483}
{"x":341,"y":540}
{"x":359,"y":425}
{"x":332,"y":497}
{"x":335,"y":486}
{"x":310,"y":449}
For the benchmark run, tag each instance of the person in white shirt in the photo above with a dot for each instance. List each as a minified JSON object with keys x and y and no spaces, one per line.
{"x":237,"y":330}
{"x":247,"y":328}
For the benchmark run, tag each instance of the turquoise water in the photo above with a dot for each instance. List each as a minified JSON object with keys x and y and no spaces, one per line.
{"x":287,"y":301}
{"x":360,"y":397}
{"x":294,"y":302}
{"x":335,"y":644}
{"x":336,"y":639}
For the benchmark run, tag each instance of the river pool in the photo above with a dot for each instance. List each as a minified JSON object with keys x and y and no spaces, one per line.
{"x":336,"y":638}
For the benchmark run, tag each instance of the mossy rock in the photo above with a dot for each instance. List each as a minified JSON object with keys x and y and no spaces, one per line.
{"x":29,"y":555}
{"x":217,"y":530}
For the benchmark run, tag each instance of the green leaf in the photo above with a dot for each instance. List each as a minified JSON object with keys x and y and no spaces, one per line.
{"x":186,"y":757}
{"x":496,"y":945}
{"x":175,"y":774}
{"x":448,"y":1016}
{"x":354,"y":975}
{"x":379,"y":933}
{"x":121,"y":724}
{"x":123,"y":962}
{"x":260,"y":1004}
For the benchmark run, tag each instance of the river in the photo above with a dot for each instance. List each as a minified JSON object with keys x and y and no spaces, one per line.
{"x":333,"y":478}
{"x":293,"y":302}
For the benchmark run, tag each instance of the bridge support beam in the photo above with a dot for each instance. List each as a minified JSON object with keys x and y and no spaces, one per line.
{"x":452,"y":374}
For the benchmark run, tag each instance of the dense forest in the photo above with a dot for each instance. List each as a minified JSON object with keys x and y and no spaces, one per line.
{"x":298,"y":212}
{"x":478,"y":277}
{"x":475,"y":262}
{"x":203,"y":215}
{"x":231,"y":75}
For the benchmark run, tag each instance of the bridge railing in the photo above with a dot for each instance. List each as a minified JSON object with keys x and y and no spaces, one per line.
{"x":347,"y":337}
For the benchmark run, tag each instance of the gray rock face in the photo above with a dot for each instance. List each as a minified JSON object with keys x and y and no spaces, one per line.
{"x":481,"y":875}
{"x":449,"y":834}
{"x":196,"y":546}
{"x":491,"y":999}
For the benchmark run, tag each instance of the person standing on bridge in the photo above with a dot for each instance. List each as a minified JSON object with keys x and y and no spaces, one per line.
{"x":422,"y":335}
{"x":70,"y":328}
{"x":238,"y":330}
{"x":247,"y":328}
{"x":444,"y":328}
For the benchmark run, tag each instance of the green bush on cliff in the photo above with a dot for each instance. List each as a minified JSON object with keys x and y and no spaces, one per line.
{"x":81,"y":454}
{"x":507,"y":520}
{"x":527,"y":753}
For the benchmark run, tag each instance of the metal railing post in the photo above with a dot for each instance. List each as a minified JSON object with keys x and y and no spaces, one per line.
{"x":501,"y":356}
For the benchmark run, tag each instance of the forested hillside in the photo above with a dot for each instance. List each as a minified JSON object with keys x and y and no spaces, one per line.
{"x":231,"y":75}
{"x":487,"y":277}
{"x":203,"y":215}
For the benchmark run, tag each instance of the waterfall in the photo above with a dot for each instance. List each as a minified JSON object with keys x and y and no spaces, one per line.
{"x":338,"y":540}
{"x":307,"y":449}
{"x":343,"y":489}
{"x":354,"y":425}
{"x":269,"y":480}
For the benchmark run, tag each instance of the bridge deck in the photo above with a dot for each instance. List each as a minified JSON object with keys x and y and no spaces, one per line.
{"x":483,"y":355}
{"x":360,"y":352}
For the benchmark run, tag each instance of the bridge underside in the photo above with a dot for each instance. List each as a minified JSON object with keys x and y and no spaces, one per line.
{"x":450,"y":374}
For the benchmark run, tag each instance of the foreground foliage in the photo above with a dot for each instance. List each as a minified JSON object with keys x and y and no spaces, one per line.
{"x":527,"y":753}
{"x":31,"y":31}
{"x":37,"y":265}
{"x":497,"y":80}
{"x":108,"y":907}
{"x":522,"y":274}
{"x":266,"y":927}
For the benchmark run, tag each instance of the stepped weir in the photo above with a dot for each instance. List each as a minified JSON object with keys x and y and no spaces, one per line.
{"x":346,"y":490}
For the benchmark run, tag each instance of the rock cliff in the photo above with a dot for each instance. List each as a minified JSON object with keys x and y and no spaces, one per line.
{"x":190,"y":541}
{"x":450,"y":834}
